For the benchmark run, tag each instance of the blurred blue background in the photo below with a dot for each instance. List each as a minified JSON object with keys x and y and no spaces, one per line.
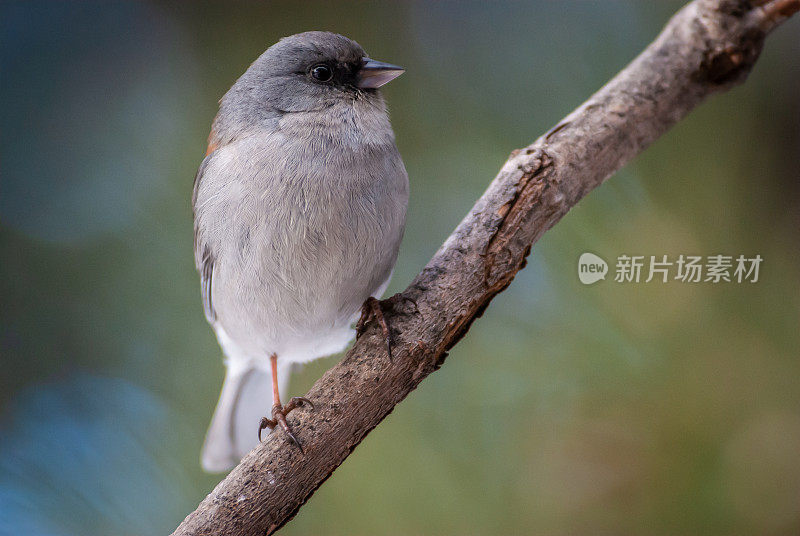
{"x":611,"y":409}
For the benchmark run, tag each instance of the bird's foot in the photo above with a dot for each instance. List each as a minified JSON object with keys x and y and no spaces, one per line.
{"x":370,"y":309}
{"x":373,"y":308}
{"x":279,"y":414}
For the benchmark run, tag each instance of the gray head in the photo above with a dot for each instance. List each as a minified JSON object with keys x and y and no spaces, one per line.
{"x":305,"y":72}
{"x":309,"y":70}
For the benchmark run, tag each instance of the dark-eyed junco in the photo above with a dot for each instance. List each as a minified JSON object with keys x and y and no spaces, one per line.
{"x":299,"y":209}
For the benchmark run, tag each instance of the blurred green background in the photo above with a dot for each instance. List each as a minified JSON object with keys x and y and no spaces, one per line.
{"x":568,"y":409}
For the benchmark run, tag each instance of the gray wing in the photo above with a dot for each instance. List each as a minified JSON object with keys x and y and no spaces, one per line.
{"x":204,"y":256}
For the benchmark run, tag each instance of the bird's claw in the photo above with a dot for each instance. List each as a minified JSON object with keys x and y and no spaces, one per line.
{"x":265,"y":423}
{"x":400,"y":297}
{"x":298,"y":401}
{"x":372,"y":308}
{"x":279,"y":414}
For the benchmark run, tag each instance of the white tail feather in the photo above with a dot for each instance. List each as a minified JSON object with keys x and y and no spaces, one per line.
{"x":246,"y":397}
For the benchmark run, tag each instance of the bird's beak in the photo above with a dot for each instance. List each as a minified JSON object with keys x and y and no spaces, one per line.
{"x":374,"y":74}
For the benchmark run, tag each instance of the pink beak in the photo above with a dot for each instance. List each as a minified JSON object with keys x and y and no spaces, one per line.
{"x":374,"y":74}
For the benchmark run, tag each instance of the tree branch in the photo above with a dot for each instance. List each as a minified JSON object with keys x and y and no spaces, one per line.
{"x":707,"y":47}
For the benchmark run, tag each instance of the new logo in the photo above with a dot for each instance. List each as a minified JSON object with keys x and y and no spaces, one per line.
{"x":591,"y":268}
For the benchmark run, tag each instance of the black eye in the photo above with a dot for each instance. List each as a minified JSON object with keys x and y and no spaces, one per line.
{"x":321,"y":72}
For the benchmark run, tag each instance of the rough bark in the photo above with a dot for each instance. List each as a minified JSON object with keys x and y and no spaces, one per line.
{"x":707,"y":47}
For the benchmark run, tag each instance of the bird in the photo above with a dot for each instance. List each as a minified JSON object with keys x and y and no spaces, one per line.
{"x":299,"y":211}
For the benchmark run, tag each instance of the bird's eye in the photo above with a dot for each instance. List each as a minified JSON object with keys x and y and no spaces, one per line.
{"x":321,"y":72}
